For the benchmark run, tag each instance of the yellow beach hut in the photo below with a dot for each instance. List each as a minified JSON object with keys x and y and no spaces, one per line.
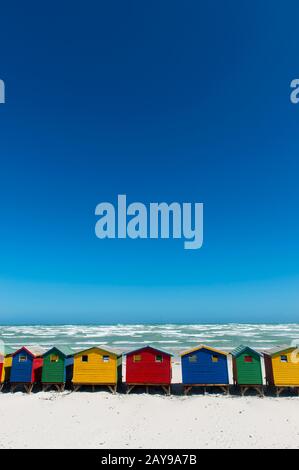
{"x":5,"y":364}
{"x":282,"y":367}
{"x":98,"y":365}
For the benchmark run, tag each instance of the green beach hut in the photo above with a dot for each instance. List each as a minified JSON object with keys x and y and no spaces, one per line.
{"x":247,"y":369}
{"x":57,"y":367}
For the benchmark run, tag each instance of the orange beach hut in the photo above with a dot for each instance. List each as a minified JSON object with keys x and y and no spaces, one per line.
{"x":282,"y":367}
{"x":5,"y":363}
{"x":98,"y":365}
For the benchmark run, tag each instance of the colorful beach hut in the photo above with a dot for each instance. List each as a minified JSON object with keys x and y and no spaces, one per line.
{"x":97,"y":366}
{"x":148,"y":366}
{"x":26,"y":369}
{"x":57,"y":367}
{"x":247,"y":369}
{"x":5,"y":363}
{"x":282,"y":367}
{"x":204,"y":366}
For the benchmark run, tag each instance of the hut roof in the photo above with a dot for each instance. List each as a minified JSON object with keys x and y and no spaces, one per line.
{"x":150,"y":347}
{"x":240,"y":349}
{"x":279,"y":349}
{"x":34,"y":351}
{"x":203,"y":346}
{"x":103,"y":348}
{"x":64,"y":349}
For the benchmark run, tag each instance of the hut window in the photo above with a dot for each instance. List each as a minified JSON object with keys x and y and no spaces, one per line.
{"x":136,"y":358}
{"x":106,"y":358}
{"x":84,"y":358}
{"x":159,"y":358}
{"x":193,"y":358}
{"x":22,"y":358}
{"x":54,"y":358}
{"x":283,"y":358}
{"x":247,"y":358}
{"x":215,"y":358}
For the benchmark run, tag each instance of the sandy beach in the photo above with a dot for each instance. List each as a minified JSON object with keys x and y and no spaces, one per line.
{"x":102,"y":420}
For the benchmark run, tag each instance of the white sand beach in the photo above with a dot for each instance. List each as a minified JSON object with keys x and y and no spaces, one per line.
{"x":102,"y":420}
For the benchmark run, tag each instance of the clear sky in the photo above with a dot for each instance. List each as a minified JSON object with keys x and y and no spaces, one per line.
{"x":162,"y":101}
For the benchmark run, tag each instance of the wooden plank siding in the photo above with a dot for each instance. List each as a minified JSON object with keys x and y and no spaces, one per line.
{"x":249,"y":372}
{"x":27,"y":371}
{"x":6,"y":369}
{"x":283,"y":367}
{"x":204,"y":366}
{"x":21,"y":371}
{"x":147,"y":370}
{"x":5,"y":363}
{"x":53,"y":372}
{"x":247,"y":367}
{"x":95,"y":370}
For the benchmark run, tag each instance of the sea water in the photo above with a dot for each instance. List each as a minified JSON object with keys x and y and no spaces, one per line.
{"x":173,"y":337}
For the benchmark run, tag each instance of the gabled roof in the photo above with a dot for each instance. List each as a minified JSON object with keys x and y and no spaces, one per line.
{"x":279,"y":349}
{"x":240,"y":349}
{"x":34,"y":351}
{"x":203,"y":346}
{"x":63,"y":349}
{"x":104,"y":348}
{"x":146,"y":346}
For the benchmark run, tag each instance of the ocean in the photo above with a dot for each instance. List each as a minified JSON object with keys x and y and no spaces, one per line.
{"x":173,"y":337}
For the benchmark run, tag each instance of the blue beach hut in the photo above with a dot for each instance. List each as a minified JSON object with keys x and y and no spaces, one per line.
{"x":26,"y":367}
{"x":205,"y":367}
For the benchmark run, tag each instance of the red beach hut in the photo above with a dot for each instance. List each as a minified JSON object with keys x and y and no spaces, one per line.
{"x":148,"y":366}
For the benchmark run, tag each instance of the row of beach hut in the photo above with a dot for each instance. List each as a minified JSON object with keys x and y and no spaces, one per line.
{"x":201,"y":366}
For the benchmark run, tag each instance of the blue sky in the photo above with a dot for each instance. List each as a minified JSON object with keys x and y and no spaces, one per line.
{"x":161,"y":101}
